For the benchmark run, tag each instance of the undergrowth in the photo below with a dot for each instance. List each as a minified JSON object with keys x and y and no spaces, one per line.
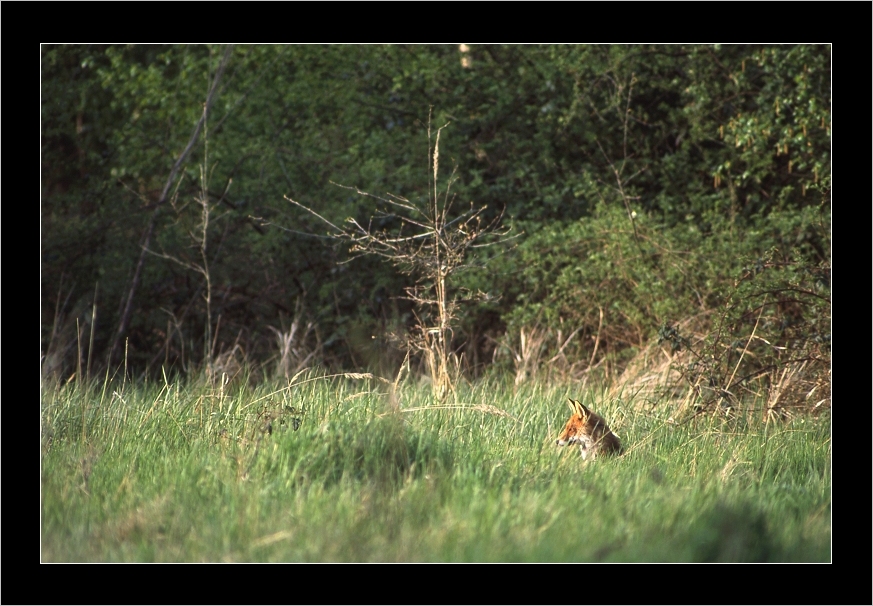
{"x":356,"y":469}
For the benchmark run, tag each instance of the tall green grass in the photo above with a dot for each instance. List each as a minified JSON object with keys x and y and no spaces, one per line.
{"x":187,"y":471}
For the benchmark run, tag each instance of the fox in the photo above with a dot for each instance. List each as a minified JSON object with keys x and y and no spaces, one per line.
{"x":590,"y":432}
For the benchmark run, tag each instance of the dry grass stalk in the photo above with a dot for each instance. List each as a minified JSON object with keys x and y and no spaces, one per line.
{"x":294,"y":353}
{"x":779,"y":388}
{"x":486,"y":408}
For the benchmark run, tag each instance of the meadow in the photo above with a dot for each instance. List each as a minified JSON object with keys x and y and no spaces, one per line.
{"x":351,"y":468}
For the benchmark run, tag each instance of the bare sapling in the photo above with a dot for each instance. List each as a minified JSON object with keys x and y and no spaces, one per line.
{"x":432,"y":245}
{"x":621,"y":182}
{"x":127,"y":302}
{"x":200,"y":239}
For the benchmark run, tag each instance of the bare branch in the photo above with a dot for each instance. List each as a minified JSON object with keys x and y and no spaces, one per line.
{"x":423,"y":242}
{"x":309,"y":210}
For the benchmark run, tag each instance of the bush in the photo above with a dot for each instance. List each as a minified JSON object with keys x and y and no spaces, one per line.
{"x":619,"y":283}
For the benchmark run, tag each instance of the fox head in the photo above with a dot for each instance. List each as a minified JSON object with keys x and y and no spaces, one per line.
{"x":574,"y":430}
{"x":589,"y":431}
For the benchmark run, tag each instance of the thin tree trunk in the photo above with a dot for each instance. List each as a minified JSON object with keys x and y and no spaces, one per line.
{"x":124,"y":321}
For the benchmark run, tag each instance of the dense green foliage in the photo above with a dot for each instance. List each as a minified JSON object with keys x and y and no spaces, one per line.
{"x":643,"y":181}
{"x":340,"y":470}
{"x":671,"y":207}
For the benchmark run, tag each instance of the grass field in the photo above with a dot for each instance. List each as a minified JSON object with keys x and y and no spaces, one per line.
{"x":339,"y":470}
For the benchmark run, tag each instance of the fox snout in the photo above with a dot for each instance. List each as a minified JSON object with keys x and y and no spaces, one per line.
{"x":564,"y":441}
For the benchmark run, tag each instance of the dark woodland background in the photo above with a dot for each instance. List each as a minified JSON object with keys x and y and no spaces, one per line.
{"x":676,"y":195}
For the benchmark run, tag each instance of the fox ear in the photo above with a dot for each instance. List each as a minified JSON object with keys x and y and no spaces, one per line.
{"x":578,"y":408}
{"x":572,"y":405}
